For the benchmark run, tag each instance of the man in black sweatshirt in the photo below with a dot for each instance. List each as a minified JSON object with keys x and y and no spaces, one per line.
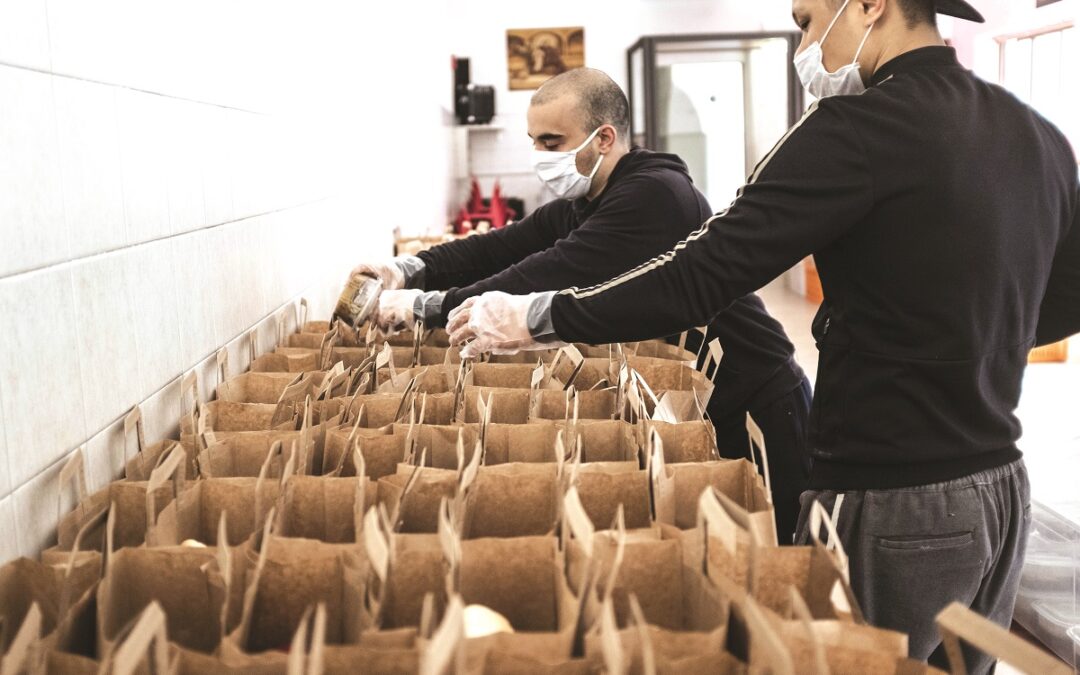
{"x":944,"y":215}
{"x":637,"y":205}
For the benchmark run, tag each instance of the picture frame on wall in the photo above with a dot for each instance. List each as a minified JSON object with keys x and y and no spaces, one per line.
{"x":535,"y":55}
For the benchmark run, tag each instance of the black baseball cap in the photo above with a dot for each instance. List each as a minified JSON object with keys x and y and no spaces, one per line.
{"x":959,"y":9}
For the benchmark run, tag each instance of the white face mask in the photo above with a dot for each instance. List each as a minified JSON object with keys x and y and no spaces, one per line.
{"x":558,"y":170}
{"x":820,"y":82}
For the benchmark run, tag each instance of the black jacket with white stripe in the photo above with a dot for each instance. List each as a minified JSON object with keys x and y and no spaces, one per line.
{"x":649,"y":205}
{"x":944,"y":216}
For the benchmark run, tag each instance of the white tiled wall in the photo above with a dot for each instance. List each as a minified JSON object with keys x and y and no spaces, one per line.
{"x":172,"y":175}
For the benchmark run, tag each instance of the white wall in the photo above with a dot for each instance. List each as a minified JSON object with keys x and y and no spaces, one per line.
{"x":172,"y":174}
{"x":611,"y":26}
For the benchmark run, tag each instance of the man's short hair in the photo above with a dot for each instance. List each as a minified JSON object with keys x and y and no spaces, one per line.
{"x":601,"y":100}
{"x":915,"y":11}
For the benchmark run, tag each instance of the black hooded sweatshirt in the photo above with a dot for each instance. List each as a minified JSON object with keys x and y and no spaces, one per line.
{"x":944,"y":215}
{"x":649,"y":204}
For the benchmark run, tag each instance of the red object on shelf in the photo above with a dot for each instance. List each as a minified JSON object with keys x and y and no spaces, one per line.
{"x":497,"y":212}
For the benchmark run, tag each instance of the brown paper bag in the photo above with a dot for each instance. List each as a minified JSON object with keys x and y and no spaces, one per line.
{"x":196,"y":512}
{"x":648,"y":650}
{"x":406,"y":569}
{"x":329,"y":510}
{"x":138,"y":467}
{"x":685,"y":442}
{"x":33,"y":653}
{"x":520,"y":443}
{"x":668,"y":582}
{"x":522,"y":579}
{"x":196,"y":587}
{"x":677,"y":490}
{"x":132,"y":501}
{"x":240,"y":454}
{"x":606,"y":441}
{"x":51,"y":589}
{"x":837,"y":647}
{"x":380,"y":653}
{"x":412,"y":496}
{"x":511,"y":500}
{"x":957,"y":623}
{"x":262,"y":387}
{"x":285,"y":578}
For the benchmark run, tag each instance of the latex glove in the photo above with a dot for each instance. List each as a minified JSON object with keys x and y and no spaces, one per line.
{"x":396,"y":311}
{"x":395,"y":273}
{"x":498,"y":323}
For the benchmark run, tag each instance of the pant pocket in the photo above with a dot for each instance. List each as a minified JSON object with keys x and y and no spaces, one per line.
{"x":908,"y":579}
{"x":928,"y":542}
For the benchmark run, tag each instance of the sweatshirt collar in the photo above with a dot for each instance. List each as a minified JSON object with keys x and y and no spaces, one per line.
{"x":917,"y":59}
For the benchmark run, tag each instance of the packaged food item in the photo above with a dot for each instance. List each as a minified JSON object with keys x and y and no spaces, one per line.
{"x":358,"y":300}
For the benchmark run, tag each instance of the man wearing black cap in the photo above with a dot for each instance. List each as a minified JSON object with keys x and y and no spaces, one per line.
{"x":944,"y":215}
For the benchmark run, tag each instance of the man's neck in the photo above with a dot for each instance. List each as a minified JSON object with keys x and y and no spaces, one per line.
{"x":603,"y":175}
{"x":924,"y":36}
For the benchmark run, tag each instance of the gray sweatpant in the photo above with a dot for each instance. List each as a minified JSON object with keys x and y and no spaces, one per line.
{"x":913,"y":551}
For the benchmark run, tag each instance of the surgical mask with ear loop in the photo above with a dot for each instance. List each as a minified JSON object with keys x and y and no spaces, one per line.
{"x":820,"y":82}
{"x":558,"y":170}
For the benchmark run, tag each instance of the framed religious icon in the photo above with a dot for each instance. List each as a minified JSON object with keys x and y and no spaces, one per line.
{"x":535,"y":55}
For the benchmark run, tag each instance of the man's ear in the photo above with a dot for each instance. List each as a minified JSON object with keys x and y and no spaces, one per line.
{"x":873,"y":10}
{"x":608,"y":138}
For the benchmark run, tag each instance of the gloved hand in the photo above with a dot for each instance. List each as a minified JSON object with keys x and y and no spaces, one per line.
{"x":394,"y":273}
{"x":396,"y":311}
{"x":495,"y":322}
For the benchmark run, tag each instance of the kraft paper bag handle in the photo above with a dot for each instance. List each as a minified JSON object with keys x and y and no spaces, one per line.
{"x":332,"y":380}
{"x":386,"y":360}
{"x":74,"y":470}
{"x":243,"y":631}
{"x":760,"y":631}
{"x":758,"y":438}
{"x":277,"y":449}
{"x":467,"y":471}
{"x":418,"y":342}
{"x":190,"y":384}
{"x":23,"y":654}
{"x":408,"y":398}
{"x":641,"y":626}
{"x":801,"y":613}
{"x":573,"y":355}
{"x":619,"y":528}
{"x":713,"y":356}
{"x":444,"y":652}
{"x":326,"y":348}
{"x":957,"y":623}
{"x":721,"y":519}
{"x":134,"y":421}
{"x":306,"y":657}
{"x":148,"y":638}
{"x":379,"y":541}
{"x":67,"y":588}
{"x":303,"y":463}
{"x":223,"y":559}
{"x":450,"y":542}
{"x":223,"y":366}
{"x":576,"y":522}
{"x":360,"y":494}
{"x":253,"y":345}
{"x":611,"y":647}
{"x":656,"y":467}
{"x":173,"y":467}
{"x":285,"y":409}
{"x":303,"y":315}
